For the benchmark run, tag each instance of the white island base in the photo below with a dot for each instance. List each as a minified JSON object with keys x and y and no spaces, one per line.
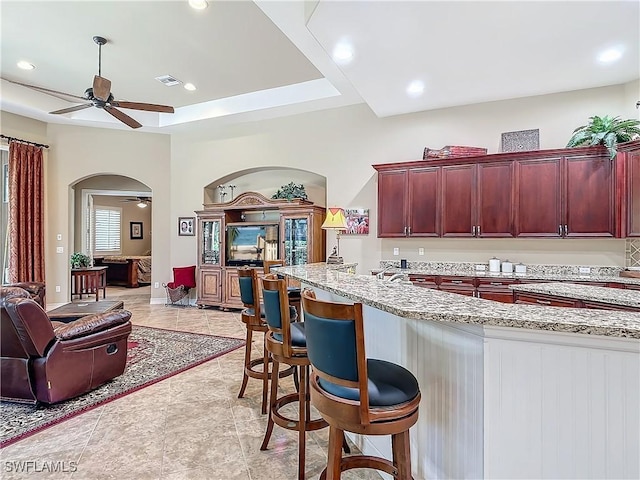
{"x":501,"y":402}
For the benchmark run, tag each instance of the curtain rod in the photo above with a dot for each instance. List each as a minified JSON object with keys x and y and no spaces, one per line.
{"x":24,"y":141}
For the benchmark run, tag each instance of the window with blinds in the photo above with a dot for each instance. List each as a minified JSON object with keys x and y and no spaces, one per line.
{"x":107,"y":230}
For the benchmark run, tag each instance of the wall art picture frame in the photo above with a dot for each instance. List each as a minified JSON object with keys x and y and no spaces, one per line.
{"x":357,"y":221}
{"x":135,"y":230}
{"x":186,"y":226}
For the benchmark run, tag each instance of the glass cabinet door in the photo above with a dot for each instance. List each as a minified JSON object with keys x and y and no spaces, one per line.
{"x":210,"y":242}
{"x":296,"y":240}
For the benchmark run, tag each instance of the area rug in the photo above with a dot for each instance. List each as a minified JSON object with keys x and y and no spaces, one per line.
{"x":153,"y":354}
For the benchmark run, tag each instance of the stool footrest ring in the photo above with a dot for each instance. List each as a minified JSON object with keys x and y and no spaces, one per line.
{"x":290,"y":423}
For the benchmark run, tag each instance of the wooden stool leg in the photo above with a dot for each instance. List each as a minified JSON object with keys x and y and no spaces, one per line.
{"x":336,"y":437}
{"x":304,"y":417}
{"x":265,"y":376}
{"x":272,"y":401}
{"x":247,"y":361}
{"x":401,"y":447}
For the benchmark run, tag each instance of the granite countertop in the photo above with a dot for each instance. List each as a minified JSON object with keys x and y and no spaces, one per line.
{"x":559,"y":276}
{"x":612,"y":296}
{"x":418,"y":303}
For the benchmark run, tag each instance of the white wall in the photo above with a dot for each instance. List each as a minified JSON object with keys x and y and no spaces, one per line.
{"x":80,"y":152}
{"x":340,"y":144}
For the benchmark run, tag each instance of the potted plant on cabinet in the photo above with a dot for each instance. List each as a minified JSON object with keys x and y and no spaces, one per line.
{"x":607,"y":131}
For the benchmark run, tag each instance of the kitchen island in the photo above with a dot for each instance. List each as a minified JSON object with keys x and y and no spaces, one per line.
{"x":508,"y":391}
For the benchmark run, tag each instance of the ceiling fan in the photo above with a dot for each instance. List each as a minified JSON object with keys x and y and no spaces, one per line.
{"x":142,"y":202}
{"x":100,"y":96}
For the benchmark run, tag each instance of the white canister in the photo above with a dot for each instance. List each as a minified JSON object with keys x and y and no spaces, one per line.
{"x":507,"y":267}
{"x":521,"y":268}
{"x":494,"y":265}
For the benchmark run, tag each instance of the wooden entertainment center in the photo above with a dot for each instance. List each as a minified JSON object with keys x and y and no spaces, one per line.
{"x":288,"y":230}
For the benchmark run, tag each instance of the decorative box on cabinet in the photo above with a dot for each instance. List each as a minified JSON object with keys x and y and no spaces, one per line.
{"x":301,"y":237}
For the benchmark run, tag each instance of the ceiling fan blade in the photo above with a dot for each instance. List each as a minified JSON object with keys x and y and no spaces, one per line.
{"x":101,"y":88}
{"x":48,"y":91}
{"x":123,"y":117}
{"x":72,"y":109}
{"x":150,"y":107}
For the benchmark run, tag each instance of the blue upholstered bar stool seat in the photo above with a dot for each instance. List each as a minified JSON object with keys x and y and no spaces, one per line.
{"x":286,"y":343}
{"x":292,"y":292}
{"x":253,"y":318}
{"x":354,"y":393}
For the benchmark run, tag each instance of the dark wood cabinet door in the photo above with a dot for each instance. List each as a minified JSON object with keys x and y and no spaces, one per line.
{"x":392,"y":203}
{"x":494,"y":200}
{"x":424,"y":202}
{"x":588,"y":197}
{"x":538,"y":201}
{"x":458,"y":201}
{"x":633,"y":194}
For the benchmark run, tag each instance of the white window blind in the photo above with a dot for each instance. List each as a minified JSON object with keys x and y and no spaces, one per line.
{"x":107,"y":228}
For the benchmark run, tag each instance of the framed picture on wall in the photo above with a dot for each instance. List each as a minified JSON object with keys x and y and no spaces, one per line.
{"x":357,"y":221}
{"x":135,"y":230}
{"x":186,"y":226}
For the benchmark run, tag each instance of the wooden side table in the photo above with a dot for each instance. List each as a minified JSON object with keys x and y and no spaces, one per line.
{"x":89,"y":281}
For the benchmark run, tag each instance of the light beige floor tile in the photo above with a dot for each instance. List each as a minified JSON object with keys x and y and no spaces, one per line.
{"x":189,"y":426}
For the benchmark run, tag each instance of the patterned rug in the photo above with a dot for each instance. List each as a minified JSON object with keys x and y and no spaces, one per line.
{"x":153,"y":355}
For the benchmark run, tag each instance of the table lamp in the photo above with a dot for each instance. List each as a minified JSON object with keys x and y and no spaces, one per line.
{"x":335,"y":220}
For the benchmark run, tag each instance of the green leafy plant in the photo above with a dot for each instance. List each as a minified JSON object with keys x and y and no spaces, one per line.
{"x":607,"y":131}
{"x":290,"y":191}
{"x":80,"y":260}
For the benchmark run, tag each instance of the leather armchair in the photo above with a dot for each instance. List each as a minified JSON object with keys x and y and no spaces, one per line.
{"x":50,"y":362}
{"x":37,"y":290}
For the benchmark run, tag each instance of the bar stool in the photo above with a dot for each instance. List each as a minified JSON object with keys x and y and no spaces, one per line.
{"x":254,"y":320}
{"x":286,"y":343}
{"x":354,"y":393}
{"x":292,"y":292}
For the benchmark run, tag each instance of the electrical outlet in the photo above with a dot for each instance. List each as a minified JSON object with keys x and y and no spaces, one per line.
{"x":59,"y":249}
{"x":156,"y":285}
{"x":420,"y":251}
{"x":396,"y":251}
{"x":585,"y":269}
{"x":57,"y":288}
{"x":481,"y":268}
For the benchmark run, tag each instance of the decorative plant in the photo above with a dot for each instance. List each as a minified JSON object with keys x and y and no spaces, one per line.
{"x":80,"y":260}
{"x":291,"y":191}
{"x":607,"y":131}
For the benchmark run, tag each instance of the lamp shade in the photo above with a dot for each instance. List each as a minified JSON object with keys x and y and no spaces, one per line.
{"x":335,"y":219}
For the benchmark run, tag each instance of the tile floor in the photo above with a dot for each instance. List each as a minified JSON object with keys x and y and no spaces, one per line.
{"x":189,"y":426}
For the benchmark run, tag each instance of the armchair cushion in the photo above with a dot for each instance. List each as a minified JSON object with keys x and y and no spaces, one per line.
{"x":91,"y":324}
{"x":36,"y":290}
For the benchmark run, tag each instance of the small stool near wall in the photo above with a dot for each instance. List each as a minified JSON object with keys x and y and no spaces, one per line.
{"x":354,"y":393}
{"x":286,"y":343}
{"x":253,"y":318}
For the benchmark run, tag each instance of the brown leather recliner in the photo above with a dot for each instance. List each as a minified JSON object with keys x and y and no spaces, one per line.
{"x":37,"y":290}
{"x":50,"y":362}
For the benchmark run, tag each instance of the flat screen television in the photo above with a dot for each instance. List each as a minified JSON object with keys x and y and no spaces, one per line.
{"x":251,"y":244}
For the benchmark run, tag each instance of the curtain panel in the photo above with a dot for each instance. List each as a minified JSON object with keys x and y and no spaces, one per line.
{"x":26,"y":213}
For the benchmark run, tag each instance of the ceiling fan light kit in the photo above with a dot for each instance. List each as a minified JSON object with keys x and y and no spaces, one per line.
{"x":99,"y":95}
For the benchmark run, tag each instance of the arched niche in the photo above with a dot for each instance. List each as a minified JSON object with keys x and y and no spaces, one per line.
{"x":115,"y":190}
{"x":267,"y":181}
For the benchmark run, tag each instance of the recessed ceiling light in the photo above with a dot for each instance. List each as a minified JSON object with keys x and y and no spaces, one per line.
{"x":189,"y":86}
{"x":343,"y":52}
{"x":198,"y":4}
{"x":415,"y":88}
{"x":24,"y":65}
{"x":610,"y":55}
